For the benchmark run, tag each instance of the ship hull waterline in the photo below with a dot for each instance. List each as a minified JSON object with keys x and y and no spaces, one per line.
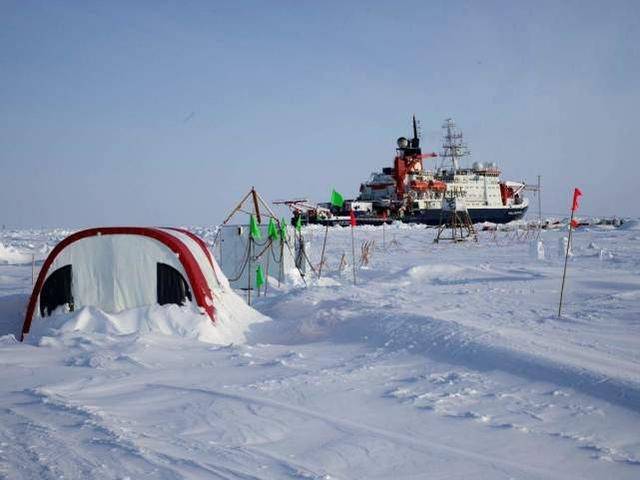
{"x":432,"y":217}
{"x":478,"y":215}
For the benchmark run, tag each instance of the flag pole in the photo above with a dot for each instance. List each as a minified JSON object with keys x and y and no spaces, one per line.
{"x":384,"y":243}
{"x":249,"y":272}
{"x":539,"y":208}
{"x":336,"y":201}
{"x":298,"y":226}
{"x":258,"y":286}
{"x":566,"y":258}
{"x":353,"y":253}
{"x":576,"y":194}
{"x":273,"y":232}
{"x":281,"y":267}
{"x":266,"y":283}
{"x":324,"y":245}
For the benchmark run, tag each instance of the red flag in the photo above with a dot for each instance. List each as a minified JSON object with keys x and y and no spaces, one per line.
{"x":576,"y":195}
{"x":352,"y":219}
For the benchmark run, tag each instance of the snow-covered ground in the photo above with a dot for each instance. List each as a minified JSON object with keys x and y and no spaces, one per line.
{"x":444,"y":361}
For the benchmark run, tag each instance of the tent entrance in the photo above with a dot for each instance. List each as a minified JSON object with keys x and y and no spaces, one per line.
{"x":172,"y":287}
{"x":56,"y":291}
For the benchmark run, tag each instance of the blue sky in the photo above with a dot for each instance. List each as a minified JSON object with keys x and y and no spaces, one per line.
{"x":167,"y":112}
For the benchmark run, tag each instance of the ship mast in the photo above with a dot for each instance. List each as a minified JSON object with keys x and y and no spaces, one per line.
{"x":453,"y":146}
{"x":416,"y":138}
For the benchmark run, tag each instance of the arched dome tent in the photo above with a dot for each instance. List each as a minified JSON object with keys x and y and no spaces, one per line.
{"x":117,"y":268}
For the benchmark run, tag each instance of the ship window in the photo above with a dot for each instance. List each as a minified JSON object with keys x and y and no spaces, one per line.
{"x":171,"y":286}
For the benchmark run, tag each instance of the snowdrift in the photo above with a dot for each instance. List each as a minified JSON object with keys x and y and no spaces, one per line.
{"x":115,"y":279}
{"x":233,"y":319}
{"x":444,"y":358}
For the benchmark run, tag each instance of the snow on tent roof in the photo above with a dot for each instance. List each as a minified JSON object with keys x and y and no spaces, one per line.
{"x":118,"y":268}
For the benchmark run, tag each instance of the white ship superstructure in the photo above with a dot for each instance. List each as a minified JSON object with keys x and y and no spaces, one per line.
{"x":416,"y":193}
{"x":412,"y":193}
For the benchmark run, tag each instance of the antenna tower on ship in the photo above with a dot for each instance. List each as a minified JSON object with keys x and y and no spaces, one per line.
{"x":453,"y":145}
{"x":453,"y":211}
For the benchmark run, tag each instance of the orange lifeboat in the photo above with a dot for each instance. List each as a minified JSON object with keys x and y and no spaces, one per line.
{"x":437,"y":186}
{"x":419,"y":185}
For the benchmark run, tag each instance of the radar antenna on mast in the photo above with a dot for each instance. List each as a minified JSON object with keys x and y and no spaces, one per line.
{"x":453,"y":145}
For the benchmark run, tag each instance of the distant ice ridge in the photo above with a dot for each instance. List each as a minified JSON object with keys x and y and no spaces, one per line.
{"x":631,"y":225}
{"x":12,"y":256}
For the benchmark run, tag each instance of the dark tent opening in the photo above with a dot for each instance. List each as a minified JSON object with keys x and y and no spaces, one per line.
{"x":172,"y":287}
{"x":56,"y":291}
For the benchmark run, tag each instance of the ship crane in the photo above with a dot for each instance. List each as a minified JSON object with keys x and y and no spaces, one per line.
{"x":302,"y":205}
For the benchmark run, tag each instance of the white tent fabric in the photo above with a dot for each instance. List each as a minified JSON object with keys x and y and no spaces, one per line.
{"x":116,"y":268}
{"x":115,"y":272}
{"x":231,"y":253}
{"x":216,"y":279}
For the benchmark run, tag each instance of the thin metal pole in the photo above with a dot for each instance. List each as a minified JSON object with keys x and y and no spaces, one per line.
{"x":384,"y":243}
{"x":266,"y":279}
{"x":249,"y":272}
{"x":566,"y":258}
{"x":294,"y":257}
{"x":281,"y":269}
{"x":324,"y":244}
{"x":238,"y":207}
{"x":353,"y":254}
{"x":266,"y":205}
{"x":539,"y":208}
{"x":539,"y":203}
{"x":256,"y":207}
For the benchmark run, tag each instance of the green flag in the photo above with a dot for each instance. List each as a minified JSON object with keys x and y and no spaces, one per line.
{"x":299,"y":223}
{"x":283,"y":229}
{"x":336,"y":199}
{"x":254,"y":229}
{"x":272,"y":230}
{"x":260,"y":280}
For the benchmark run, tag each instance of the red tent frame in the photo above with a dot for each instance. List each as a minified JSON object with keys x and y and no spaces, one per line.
{"x":201,"y":291}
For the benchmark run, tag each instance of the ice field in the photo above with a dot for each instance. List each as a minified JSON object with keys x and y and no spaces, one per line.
{"x":443,"y":362}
